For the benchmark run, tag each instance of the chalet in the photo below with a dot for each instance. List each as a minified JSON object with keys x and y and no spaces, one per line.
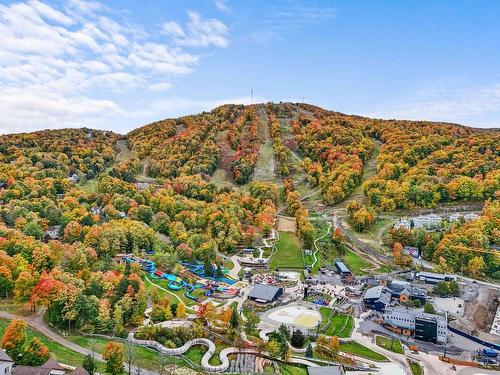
{"x":265,"y":293}
{"x":403,"y":291}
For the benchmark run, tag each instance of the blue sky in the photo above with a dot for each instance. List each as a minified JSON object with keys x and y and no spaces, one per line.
{"x":120,"y":64}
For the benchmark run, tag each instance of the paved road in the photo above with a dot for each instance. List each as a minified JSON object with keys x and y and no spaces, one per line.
{"x":37,"y":323}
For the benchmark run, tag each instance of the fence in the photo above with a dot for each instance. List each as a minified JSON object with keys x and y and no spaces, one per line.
{"x":473,"y":338}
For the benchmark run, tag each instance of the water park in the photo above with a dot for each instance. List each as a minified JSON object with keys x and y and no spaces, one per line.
{"x":211,"y":284}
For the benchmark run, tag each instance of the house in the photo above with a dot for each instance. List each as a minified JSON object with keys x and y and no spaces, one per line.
{"x":377,"y":298}
{"x":265,"y":293}
{"x":326,"y":370}
{"x":471,"y":216}
{"x":248,"y":252}
{"x":52,"y":233}
{"x":402,"y":223}
{"x":343,"y":270}
{"x":434,"y":278}
{"x":411,"y":251}
{"x":74,"y":178}
{"x":6,"y":363}
{"x":455,"y":217}
{"x":423,"y":326}
{"x":51,"y":367}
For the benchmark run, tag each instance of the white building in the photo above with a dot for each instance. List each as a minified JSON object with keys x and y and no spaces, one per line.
{"x":431,"y":221}
{"x":455,"y":217}
{"x":471,"y":216}
{"x":6,"y":363}
{"x":400,"y":317}
{"x":402,"y":223}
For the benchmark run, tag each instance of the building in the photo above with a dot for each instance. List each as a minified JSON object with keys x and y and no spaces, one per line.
{"x":403,"y":291}
{"x":6,"y":363}
{"x":326,"y":370}
{"x":51,"y":367}
{"x":52,"y":233}
{"x":402,"y":223}
{"x":431,"y":221}
{"x":400,"y":318}
{"x":420,"y":325}
{"x":247,"y":253}
{"x":434,"y":278}
{"x":455,"y":217}
{"x":431,"y":327}
{"x":377,"y":298}
{"x":343,"y":270}
{"x":265,"y":293}
{"x":411,"y":251}
{"x":471,"y":216}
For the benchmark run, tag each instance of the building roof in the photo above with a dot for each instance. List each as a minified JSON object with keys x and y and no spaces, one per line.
{"x":374,"y":292}
{"x":342,"y":267}
{"x":30,"y":370}
{"x":4,"y":357}
{"x":79,"y":371}
{"x":431,"y":275}
{"x":264,"y":292}
{"x":326,"y":370}
{"x":431,"y":317}
{"x":52,"y":364}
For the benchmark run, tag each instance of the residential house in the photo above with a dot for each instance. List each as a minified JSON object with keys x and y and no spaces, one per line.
{"x":6,"y":363}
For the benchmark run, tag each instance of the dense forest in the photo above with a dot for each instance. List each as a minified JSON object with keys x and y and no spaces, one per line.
{"x":58,"y":239}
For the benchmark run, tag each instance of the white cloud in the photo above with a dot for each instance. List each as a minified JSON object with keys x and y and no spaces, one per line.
{"x":445,"y":101}
{"x":198,"y":32}
{"x":222,"y":6}
{"x":79,"y":63}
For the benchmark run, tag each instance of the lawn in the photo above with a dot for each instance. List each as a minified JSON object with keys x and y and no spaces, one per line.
{"x":195,"y":353}
{"x":289,"y":253}
{"x":59,"y":352}
{"x":415,"y":368}
{"x":143,"y":357}
{"x":340,"y":324}
{"x":355,"y":263}
{"x":385,"y":342}
{"x":19,"y":309}
{"x":356,"y":348}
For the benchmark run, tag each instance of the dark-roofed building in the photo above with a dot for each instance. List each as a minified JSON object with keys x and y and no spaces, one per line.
{"x":404,"y":291}
{"x":411,"y":251}
{"x":434,"y":278}
{"x":265,"y":293}
{"x":51,"y":367}
{"x":342,"y":269}
{"x":6,"y":363}
{"x":326,"y":370}
{"x":377,"y":298}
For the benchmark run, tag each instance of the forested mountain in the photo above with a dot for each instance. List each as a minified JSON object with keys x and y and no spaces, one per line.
{"x":198,"y":187}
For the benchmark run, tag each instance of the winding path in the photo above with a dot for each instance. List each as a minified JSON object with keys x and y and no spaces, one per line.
{"x":316,"y":243}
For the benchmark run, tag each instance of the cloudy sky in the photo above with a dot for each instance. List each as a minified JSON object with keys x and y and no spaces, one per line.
{"x":120,"y":64}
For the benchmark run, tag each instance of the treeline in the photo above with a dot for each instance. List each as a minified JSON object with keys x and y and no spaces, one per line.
{"x":336,"y":150}
{"x":281,"y":153}
{"x":243,"y":135}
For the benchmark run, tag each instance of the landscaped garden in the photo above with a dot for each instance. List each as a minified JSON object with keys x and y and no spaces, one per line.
{"x":356,"y":348}
{"x":392,"y":345}
{"x":340,"y":325}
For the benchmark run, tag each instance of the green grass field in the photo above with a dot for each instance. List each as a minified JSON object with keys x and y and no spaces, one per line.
{"x":355,"y":263}
{"x":415,"y":368}
{"x":340,"y":324}
{"x":385,"y":342}
{"x":195,"y":353}
{"x":59,"y":352}
{"x":143,"y":357}
{"x":356,"y":348}
{"x":289,"y":252}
